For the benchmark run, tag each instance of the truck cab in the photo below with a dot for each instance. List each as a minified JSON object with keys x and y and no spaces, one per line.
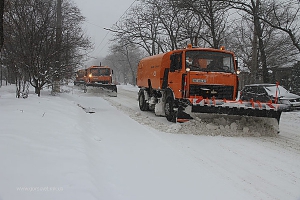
{"x":207,"y":73}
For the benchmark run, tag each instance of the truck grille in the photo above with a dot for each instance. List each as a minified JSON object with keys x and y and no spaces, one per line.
{"x":101,"y":82}
{"x":208,"y":91}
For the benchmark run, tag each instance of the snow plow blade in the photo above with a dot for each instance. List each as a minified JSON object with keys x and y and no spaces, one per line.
{"x":253,"y":112}
{"x":237,"y":108}
{"x":268,"y":112}
{"x":109,"y":89}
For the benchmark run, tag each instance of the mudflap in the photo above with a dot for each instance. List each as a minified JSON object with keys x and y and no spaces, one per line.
{"x":106,"y":89}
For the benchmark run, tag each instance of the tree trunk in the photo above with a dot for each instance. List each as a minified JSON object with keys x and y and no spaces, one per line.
{"x":38,"y":91}
{"x":57,"y":76}
{"x":1,"y":23}
{"x":254,"y":66}
{"x":263,"y":57}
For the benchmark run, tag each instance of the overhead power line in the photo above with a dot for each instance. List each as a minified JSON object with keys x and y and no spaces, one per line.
{"x":111,"y":27}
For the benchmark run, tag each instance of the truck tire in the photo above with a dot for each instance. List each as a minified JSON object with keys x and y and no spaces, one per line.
{"x":144,"y":106}
{"x":169,"y":109}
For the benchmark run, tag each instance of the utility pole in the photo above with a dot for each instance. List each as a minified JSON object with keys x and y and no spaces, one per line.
{"x":57,"y":73}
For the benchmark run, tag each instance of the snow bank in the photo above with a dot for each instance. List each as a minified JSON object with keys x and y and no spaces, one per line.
{"x":202,"y":124}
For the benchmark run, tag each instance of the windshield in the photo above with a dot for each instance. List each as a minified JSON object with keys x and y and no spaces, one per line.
{"x":209,"y":61}
{"x":80,"y":73}
{"x":281,"y":91}
{"x":100,"y":72}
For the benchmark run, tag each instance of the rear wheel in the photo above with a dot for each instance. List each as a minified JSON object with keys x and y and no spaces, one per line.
{"x":169,"y":109}
{"x":142,"y":101}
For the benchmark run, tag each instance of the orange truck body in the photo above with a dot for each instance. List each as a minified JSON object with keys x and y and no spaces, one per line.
{"x":154,"y":72}
{"x":99,"y":74}
{"x":96,"y":77}
{"x":176,"y":82}
{"x":94,"y":74}
{"x":180,"y":83}
{"x":80,"y":77}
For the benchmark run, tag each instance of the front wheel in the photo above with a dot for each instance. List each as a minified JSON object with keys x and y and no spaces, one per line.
{"x":169,"y":109}
{"x":142,"y":101}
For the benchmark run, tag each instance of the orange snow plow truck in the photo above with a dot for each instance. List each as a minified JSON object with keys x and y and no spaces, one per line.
{"x":183,"y":82}
{"x":96,"y":79}
{"x":80,"y":77}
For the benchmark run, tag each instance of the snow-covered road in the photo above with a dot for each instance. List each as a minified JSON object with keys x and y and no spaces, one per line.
{"x":289,"y":136}
{"x":251,"y":163}
{"x":118,"y":152}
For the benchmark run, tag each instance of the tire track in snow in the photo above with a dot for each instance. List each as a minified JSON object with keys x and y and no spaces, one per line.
{"x":239,"y":174}
{"x":286,"y":142}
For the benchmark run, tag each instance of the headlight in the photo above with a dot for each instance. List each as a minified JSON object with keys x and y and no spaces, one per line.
{"x":90,"y":75}
{"x":284,"y":101}
{"x":187,"y":69}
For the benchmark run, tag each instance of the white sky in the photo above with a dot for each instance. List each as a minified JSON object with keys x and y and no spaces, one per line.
{"x":100,"y":14}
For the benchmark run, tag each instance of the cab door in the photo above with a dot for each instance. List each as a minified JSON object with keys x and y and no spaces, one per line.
{"x":175,"y":75}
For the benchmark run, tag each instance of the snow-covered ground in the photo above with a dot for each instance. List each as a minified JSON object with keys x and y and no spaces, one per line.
{"x":82,"y":146}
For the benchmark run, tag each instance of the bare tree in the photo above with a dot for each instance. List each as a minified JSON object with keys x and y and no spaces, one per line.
{"x":140,"y":27}
{"x":124,"y":60}
{"x":240,"y":41}
{"x":214,"y":16}
{"x":284,"y":16}
{"x":171,"y":21}
{"x":279,"y":49}
{"x":253,"y":8}
{"x":31,"y":32}
{"x":158,"y":26}
{"x":258,"y":11}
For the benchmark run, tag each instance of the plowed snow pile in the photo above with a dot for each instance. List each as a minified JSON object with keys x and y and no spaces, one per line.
{"x":228,"y":126}
{"x":207,"y":124}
